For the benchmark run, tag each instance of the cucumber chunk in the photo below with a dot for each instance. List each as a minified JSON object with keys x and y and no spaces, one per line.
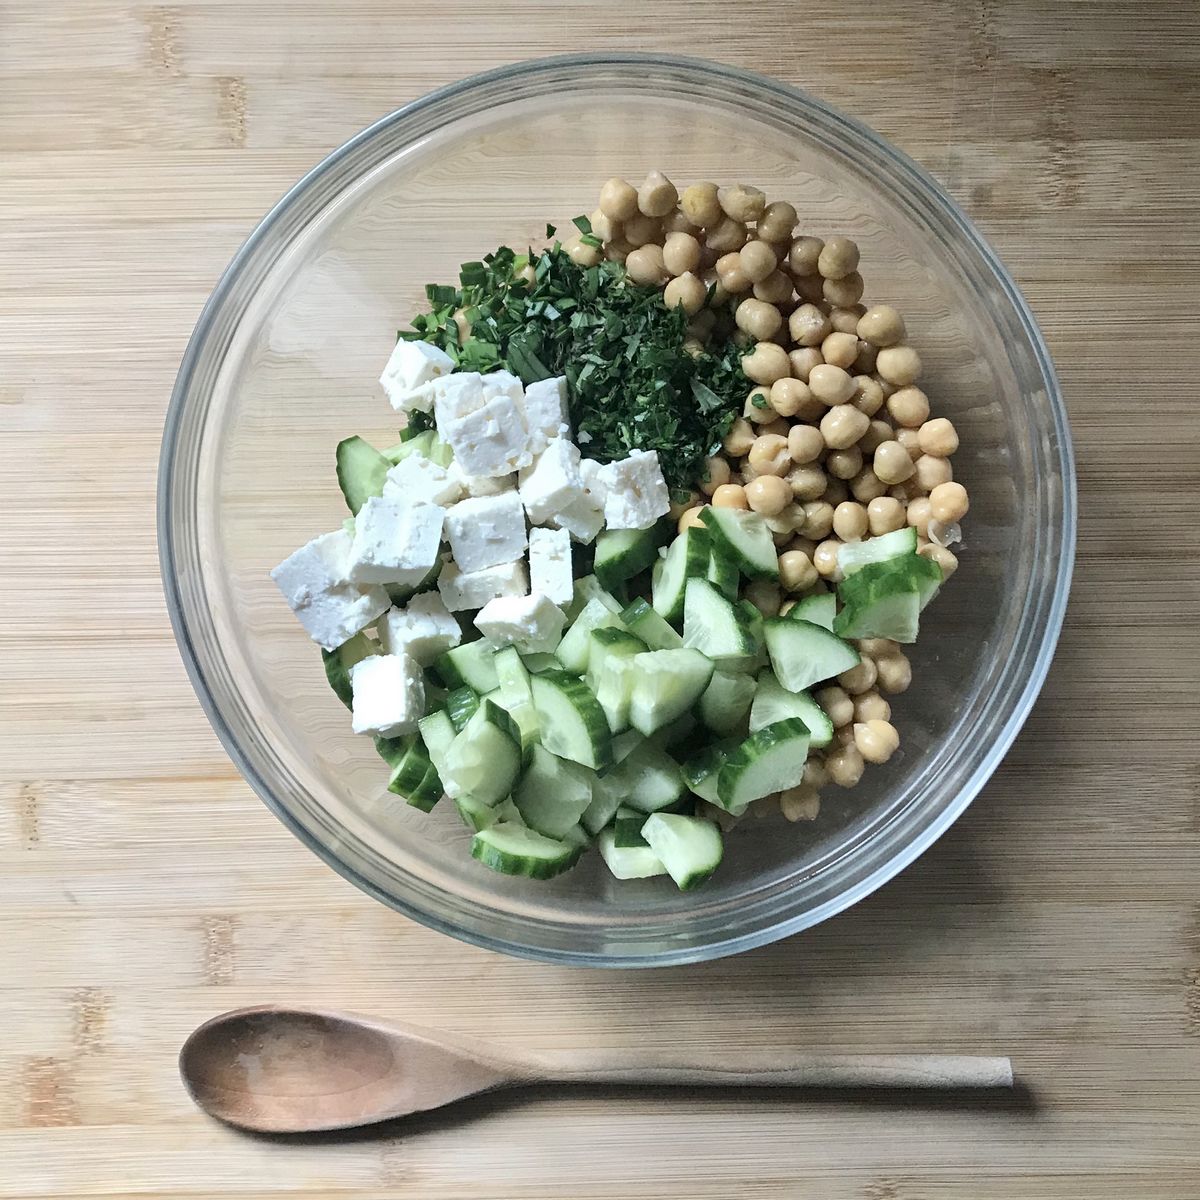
{"x":885,"y":599}
{"x":606,"y":799}
{"x":553,"y":794}
{"x":419,"y":443}
{"x":689,"y":847}
{"x":573,"y":724}
{"x":628,"y":862}
{"x":575,"y":646}
{"x":627,"y":826}
{"x":725,"y":704}
{"x":816,"y":610}
{"x":588,"y":588}
{"x":461,"y":705}
{"x":471,"y":665}
{"x":338,"y":663}
{"x":743,"y":537}
{"x":853,"y":556}
{"x":723,"y":574}
{"x":803,"y":654}
{"x":516,"y":696}
{"x":667,"y":683}
{"x":361,"y":471}
{"x":773,"y":703}
{"x":638,"y":617}
{"x":610,"y":675}
{"x":647,"y":779}
{"x":438,"y":735}
{"x":717,"y":627}
{"x":512,"y":849}
{"x":623,"y":553}
{"x":484,"y":760}
{"x":771,"y":760}
{"x":687,"y":558}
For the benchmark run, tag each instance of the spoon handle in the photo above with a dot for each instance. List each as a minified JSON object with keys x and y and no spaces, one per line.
{"x":945,"y":1071}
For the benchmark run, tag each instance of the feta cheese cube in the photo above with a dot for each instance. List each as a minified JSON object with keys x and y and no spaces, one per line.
{"x":418,"y":480}
{"x":395,"y":541}
{"x":422,"y":629}
{"x":412,"y":367}
{"x":388,"y":692}
{"x":553,"y":482}
{"x":490,"y":441}
{"x":582,"y":519}
{"x":531,"y":623}
{"x":456,"y":396}
{"x":550,"y":564}
{"x":637,"y":492}
{"x":462,"y":590}
{"x":317,"y":566}
{"x":545,"y":405}
{"x":592,"y":473}
{"x":481,"y":485}
{"x":486,"y":531}
{"x":503,"y":383}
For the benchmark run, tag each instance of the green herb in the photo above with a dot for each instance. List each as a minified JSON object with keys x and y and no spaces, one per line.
{"x":631,"y":383}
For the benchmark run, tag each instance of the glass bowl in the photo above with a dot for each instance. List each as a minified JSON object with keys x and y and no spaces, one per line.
{"x":284,"y":363}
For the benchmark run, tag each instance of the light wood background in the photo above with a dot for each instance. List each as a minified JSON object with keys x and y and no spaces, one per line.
{"x":144,"y":888}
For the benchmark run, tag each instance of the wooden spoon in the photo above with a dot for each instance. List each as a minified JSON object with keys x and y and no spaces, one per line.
{"x":283,"y":1070}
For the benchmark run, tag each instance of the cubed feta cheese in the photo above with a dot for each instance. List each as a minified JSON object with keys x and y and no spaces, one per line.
{"x":486,"y":531}
{"x":409,"y":372}
{"x":461,"y":590}
{"x":395,"y":541}
{"x":388,"y":694}
{"x":553,"y":482}
{"x":550,"y":564}
{"x":531,"y":623}
{"x":456,"y":396}
{"x":317,"y":566}
{"x":418,"y":480}
{"x":545,"y":405}
{"x":593,"y":480}
{"x":637,"y":493}
{"x":490,"y":441}
{"x":582,"y":519}
{"x":481,"y":485}
{"x":423,"y":629}
{"x":503,"y":383}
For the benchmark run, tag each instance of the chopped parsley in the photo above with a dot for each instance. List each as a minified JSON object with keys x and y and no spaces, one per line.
{"x":630,"y":382}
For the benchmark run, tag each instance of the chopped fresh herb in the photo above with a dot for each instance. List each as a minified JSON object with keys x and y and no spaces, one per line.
{"x":759,"y":401}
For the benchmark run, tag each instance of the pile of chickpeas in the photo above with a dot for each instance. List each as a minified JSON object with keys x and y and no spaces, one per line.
{"x":835,"y":442}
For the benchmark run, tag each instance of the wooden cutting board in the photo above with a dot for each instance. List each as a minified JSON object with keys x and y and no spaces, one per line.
{"x":142,"y":885}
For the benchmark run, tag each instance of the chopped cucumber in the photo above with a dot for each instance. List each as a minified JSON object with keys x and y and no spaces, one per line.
{"x":472,"y":665}
{"x":884,"y":599}
{"x":512,"y":849}
{"x":689,"y":847}
{"x":623,"y":553}
{"x":803,"y":654}
{"x":361,"y":471}
{"x":715,"y":626}
{"x":743,"y":537}
{"x":484,"y":760}
{"x":606,"y":799}
{"x":771,"y":760}
{"x":726,"y":701}
{"x":539,"y":663}
{"x":517,"y":696}
{"x":475,"y":814}
{"x":438,"y":735}
{"x":575,"y":646}
{"x":588,"y":588}
{"x":674,"y":732}
{"x":609,"y":673}
{"x":816,"y":610}
{"x":572,"y":722}
{"x":553,"y":794}
{"x":687,"y":558}
{"x":638,"y":617}
{"x":412,"y":774}
{"x":648,"y":779}
{"x":420,"y":443}
{"x":773,"y":703}
{"x":853,"y":556}
{"x":628,"y":862}
{"x":627,"y":826}
{"x":461,"y":705}
{"x":723,"y":573}
{"x":338,"y":663}
{"x":667,"y":684}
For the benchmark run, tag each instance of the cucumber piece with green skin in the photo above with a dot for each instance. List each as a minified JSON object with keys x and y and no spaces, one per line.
{"x":687,"y":558}
{"x":438,"y":734}
{"x":773,"y":703}
{"x":622,"y":553}
{"x":411,"y":773}
{"x":516,"y":696}
{"x":587,"y":588}
{"x":477,"y":815}
{"x":675,"y":732}
{"x":701,"y":772}
{"x":512,"y":849}
{"x":484,"y":760}
{"x":338,"y":663}
{"x":885,"y":599}
{"x":575,"y":646}
{"x":803,"y":654}
{"x":572,"y":722}
{"x":853,"y":556}
{"x":539,"y":663}
{"x":609,"y":674}
{"x":771,"y":760}
{"x":471,"y":665}
{"x":689,"y":847}
{"x":744,"y":539}
{"x":420,"y":443}
{"x":667,"y":683}
{"x":524,"y":718}
{"x":425,"y":795}
{"x":628,"y":862}
{"x":606,"y":799}
{"x":717,"y":627}
{"x":647,"y":779}
{"x":723,"y":574}
{"x":461,"y":705}
{"x":553,"y":794}
{"x":638,"y":617}
{"x":361,"y":471}
{"x":627,"y":827}
{"x":820,"y":610}
{"x":725,"y":704}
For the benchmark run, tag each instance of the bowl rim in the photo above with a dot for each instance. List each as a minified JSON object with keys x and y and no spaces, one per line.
{"x":1024,"y":699}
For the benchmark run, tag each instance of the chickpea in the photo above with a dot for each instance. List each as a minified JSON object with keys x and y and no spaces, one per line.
{"x":809,"y":326}
{"x":657,"y":195}
{"x":938,"y":437}
{"x":843,"y":424}
{"x":838,"y":257}
{"x":690,"y":519}
{"x":764,"y":596}
{"x":809,"y":290}
{"x":868,"y":395}
{"x":769,"y":495}
{"x":844,"y":292}
{"x":877,"y":433}
{"x":646,"y":267}
{"x":685,"y":501}
{"x":779,"y":537}
{"x":803,"y":544}
{"x":911,"y":443}
{"x":860,"y":678}
{"x":800,"y":803}
{"x":769,"y":455}
{"x":617,"y":250}
{"x":742,"y":202}
{"x":804,"y":254}
{"x":726,"y":236}
{"x":884,"y":515}
{"x":948,"y":502}
{"x":604,"y":227}
{"x":908,"y":406}
{"x":729,"y":271}
{"x":807,"y":482}
{"x":864,"y":361}
{"x":681,"y":253}
{"x":796,"y":571}
{"x":676,"y":222}
{"x":777,"y":222}
{"x":842,"y":320}
{"x":758,"y":260}
{"x":845,"y":766}
{"x":832,"y":385}
{"x":739,"y":439}
{"x":805,"y":443}
{"x":641,"y":230}
{"x":877,"y":647}
{"x":803,"y":361}
{"x":788,"y":396}
{"x":700,"y":205}
{"x":818,"y":521}
{"x":618,"y":199}
{"x":877,"y":741}
{"x":760,"y":320}
{"x":844,"y":464}
{"x":918,"y":515}
{"x":825,"y":559}
{"x":836,"y":492}
{"x":815,"y":775}
{"x":946,"y":559}
{"x":580,"y":253}
{"x":778,"y":427}
{"x":900,"y":365}
{"x":867,"y":486}
{"x":881,"y":325}
{"x":850,"y":521}
{"x":718,"y":475}
{"x":787,"y":520}
{"x":463,"y":324}
{"x":836,"y":704}
{"x":757,"y":409}
{"x":840,"y":349}
{"x":891,"y":463}
{"x":775,"y":289}
{"x":932,"y":472}
{"x":692,"y":346}
{"x":685,"y":291}
{"x":766,"y":363}
{"x":886,"y":387}
{"x":871,"y":706}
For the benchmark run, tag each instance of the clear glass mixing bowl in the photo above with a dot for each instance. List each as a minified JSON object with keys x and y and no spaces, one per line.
{"x":284,"y":362}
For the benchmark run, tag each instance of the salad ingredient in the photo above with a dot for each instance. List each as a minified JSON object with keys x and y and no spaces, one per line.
{"x":514,"y":849}
{"x":550,"y":569}
{"x":531,"y":623}
{"x":688,"y":847}
{"x":388,"y":694}
{"x":486,"y":531}
{"x":423,"y":629}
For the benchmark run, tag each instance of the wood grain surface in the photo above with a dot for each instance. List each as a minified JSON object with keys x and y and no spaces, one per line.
{"x":144,"y":888}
